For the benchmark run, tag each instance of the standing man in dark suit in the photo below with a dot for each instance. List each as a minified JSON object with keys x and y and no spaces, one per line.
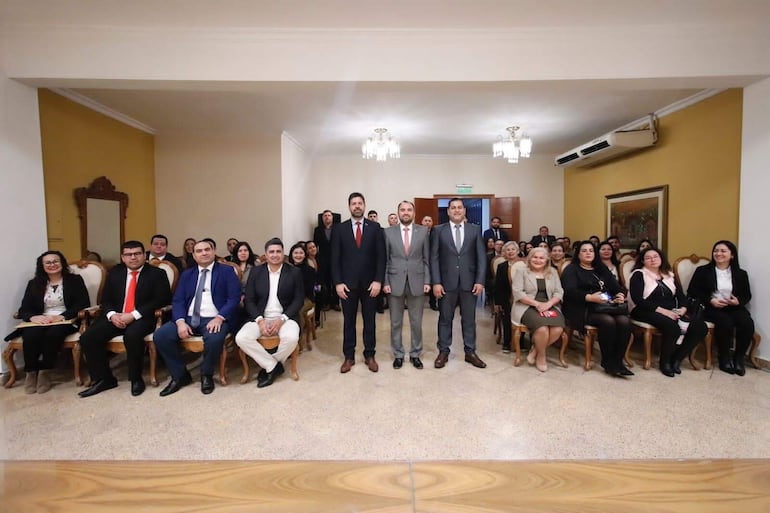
{"x":205,"y":303}
{"x":457,"y":268}
{"x":543,"y":237}
{"x":159,"y":250}
{"x":322,"y":236}
{"x":132,"y":293}
{"x":407,"y":279}
{"x":358,"y":268}
{"x":495,"y":232}
{"x":274,"y":296}
{"x":427,"y":222}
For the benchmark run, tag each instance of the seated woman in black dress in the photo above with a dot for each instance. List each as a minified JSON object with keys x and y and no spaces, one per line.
{"x":537,"y":293}
{"x":609,"y":259}
{"x":53,"y":295}
{"x":588,"y":282}
{"x":503,"y":291}
{"x":298,"y":258}
{"x":659,"y":301}
{"x":723,"y":287}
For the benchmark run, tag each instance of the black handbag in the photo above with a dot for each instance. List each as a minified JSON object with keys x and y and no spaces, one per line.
{"x":610,"y":308}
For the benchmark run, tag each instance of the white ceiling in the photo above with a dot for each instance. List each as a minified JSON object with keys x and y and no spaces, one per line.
{"x":433,"y":118}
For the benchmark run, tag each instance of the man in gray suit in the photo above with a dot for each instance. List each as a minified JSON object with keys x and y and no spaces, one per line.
{"x":457,"y":269}
{"x":407,"y":278}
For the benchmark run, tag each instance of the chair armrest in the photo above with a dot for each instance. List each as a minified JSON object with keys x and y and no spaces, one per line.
{"x":160,"y":314}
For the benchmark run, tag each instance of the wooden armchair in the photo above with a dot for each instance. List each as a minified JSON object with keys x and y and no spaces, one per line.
{"x":94,"y":275}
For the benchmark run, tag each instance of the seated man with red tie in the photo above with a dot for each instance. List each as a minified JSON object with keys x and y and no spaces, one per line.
{"x":132,"y":293}
{"x":205,"y":303}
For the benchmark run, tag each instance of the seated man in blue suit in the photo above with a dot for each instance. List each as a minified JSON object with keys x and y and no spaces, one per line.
{"x":205,"y":303}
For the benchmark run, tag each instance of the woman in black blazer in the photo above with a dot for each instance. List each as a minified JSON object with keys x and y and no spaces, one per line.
{"x":723,"y":287}
{"x":53,"y":295}
{"x":503,"y":292}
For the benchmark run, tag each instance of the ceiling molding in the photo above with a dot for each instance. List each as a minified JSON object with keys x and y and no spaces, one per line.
{"x":103,"y":109}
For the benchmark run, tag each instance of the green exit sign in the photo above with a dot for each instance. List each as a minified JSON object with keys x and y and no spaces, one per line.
{"x":463,"y":188}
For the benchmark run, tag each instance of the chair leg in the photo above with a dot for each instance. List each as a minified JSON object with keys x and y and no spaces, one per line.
{"x":647,"y":349}
{"x":223,"y":367}
{"x":755,"y":341}
{"x":8,"y":357}
{"x":709,"y":341}
{"x":691,"y":357}
{"x":589,"y":343}
{"x":245,"y":364}
{"x":293,"y":363}
{"x":76,"y":357}
{"x":564,"y":343}
{"x":153,"y":362}
{"x":516,"y":345}
{"x":627,"y":357}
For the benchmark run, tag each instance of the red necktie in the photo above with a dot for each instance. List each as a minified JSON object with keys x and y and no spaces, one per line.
{"x":358,"y":234}
{"x":131,"y":293}
{"x":406,"y":240}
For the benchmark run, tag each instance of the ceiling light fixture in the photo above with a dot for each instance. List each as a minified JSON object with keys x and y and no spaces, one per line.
{"x":513,"y":146}
{"x":381,"y":146}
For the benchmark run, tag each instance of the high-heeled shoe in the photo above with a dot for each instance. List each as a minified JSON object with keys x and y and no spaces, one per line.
{"x":531,"y":355}
{"x":667,"y":370}
{"x":739,"y":366}
{"x":725,"y":365}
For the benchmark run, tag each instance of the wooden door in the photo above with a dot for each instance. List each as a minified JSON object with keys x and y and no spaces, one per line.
{"x":425,"y":207}
{"x":508,"y":210}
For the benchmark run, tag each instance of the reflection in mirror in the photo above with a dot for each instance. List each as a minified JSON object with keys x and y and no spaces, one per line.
{"x":102,"y":212}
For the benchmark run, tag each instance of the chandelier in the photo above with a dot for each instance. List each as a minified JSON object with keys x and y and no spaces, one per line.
{"x":513,"y":146}
{"x":381,"y":146}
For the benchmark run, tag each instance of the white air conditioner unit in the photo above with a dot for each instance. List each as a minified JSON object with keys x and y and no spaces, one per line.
{"x":609,"y":146}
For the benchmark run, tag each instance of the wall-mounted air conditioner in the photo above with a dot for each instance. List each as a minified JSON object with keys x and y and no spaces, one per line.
{"x":608,"y":146}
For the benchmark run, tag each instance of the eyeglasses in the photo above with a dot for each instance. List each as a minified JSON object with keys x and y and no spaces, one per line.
{"x":133,"y":254}
{"x":651,"y":257}
{"x":52,"y":262}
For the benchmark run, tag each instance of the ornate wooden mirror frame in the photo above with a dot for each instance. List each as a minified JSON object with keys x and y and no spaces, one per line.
{"x":100,"y":189}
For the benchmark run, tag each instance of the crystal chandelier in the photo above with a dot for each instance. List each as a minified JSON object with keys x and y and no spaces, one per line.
{"x":513,"y":146}
{"x":381,"y":146}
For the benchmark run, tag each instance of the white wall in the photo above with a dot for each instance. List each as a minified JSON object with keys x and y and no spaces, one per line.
{"x":295,"y":190}
{"x":22,"y":201}
{"x":755,"y":184}
{"x":536,"y":181}
{"x":218,"y":186}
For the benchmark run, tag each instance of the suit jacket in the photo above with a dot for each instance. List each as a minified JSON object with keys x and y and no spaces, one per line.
{"x":525,"y":284}
{"x":170,"y":258}
{"x":704,"y":283}
{"x":225,"y":292}
{"x":537,"y":239}
{"x":152,"y":290}
{"x":357,"y":267}
{"x":400,"y":267}
{"x":75,"y":298}
{"x":457,"y":270}
{"x":490,"y":234}
{"x":324,"y":246}
{"x":290,"y":291}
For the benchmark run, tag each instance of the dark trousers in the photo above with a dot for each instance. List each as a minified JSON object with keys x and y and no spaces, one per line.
{"x":505,"y":318}
{"x":167,"y":343}
{"x":670,"y":331}
{"x":726,"y":321}
{"x":446,"y":314}
{"x":614,"y":331}
{"x":94,"y":342}
{"x":350,"y":314}
{"x":42,"y":343}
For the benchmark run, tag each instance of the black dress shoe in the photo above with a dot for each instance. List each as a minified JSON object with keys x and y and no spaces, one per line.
{"x":667,"y":370}
{"x":739,"y":366}
{"x":416,"y":362}
{"x":99,"y":387}
{"x":268,"y":378}
{"x":398,"y":363}
{"x":137,"y":387}
{"x":176,"y":384}
{"x":625,"y":371}
{"x":726,"y":366}
{"x":207,"y":383}
{"x":677,"y":366}
{"x":278,"y":369}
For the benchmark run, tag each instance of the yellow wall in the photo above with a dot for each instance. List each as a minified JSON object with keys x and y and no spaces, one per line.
{"x":80,"y":145}
{"x":698,"y":156}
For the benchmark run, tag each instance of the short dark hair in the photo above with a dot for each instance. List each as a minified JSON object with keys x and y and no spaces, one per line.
{"x":327,"y":210}
{"x":159,"y":236}
{"x":273,"y":242}
{"x":355,"y":195}
{"x":372,"y":212}
{"x":456,"y":199}
{"x":130,"y":244}
{"x":612,"y":237}
{"x":495,"y":217}
{"x":210,"y":241}
{"x":402,"y":202}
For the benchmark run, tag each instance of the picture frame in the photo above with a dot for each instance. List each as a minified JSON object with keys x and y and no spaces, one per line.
{"x":637,"y":215}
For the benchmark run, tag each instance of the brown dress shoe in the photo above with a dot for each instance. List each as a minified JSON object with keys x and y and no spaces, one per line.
{"x":441,"y":360}
{"x":372,"y":364}
{"x":347,"y":365}
{"x":474,"y":360}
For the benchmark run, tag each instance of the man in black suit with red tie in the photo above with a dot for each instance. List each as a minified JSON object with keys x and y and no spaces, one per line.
{"x":132,"y":293}
{"x":358,"y":268}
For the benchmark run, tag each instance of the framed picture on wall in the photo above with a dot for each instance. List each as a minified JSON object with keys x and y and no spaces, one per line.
{"x":637,"y":215}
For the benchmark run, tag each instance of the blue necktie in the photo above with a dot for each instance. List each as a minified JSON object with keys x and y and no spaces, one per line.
{"x":196,"y":316}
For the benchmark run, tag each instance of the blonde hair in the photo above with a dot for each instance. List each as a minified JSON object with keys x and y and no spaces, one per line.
{"x":548,"y":268}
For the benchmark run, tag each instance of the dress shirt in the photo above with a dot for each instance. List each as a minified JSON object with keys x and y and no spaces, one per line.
{"x":353,"y":224}
{"x":208,"y":308}
{"x":410,"y":232}
{"x":724,"y":282}
{"x":135,"y":313}
{"x":273,"y":308}
{"x":462,"y":233}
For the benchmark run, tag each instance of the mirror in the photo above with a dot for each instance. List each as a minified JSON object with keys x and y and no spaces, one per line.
{"x":102,"y":212}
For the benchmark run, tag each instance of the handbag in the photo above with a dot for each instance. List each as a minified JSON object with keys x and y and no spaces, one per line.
{"x":609,"y":308}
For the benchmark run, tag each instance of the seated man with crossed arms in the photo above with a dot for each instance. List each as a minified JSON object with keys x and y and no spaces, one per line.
{"x":274,"y":297}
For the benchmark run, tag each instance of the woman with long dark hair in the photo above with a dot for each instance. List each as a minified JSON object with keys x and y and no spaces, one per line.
{"x":298,"y":258}
{"x":244,"y":258}
{"x":187,"y":253}
{"x":723,"y":288}
{"x":610,"y":260}
{"x":53,"y":297}
{"x":659,"y":301}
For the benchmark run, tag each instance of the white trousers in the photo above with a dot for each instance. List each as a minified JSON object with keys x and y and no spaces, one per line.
{"x":247,"y":340}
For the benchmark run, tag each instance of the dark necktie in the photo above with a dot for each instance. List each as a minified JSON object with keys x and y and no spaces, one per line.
{"x":358,"y":234}
{"x":196,"y":316}
{"x":458,"y":239}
